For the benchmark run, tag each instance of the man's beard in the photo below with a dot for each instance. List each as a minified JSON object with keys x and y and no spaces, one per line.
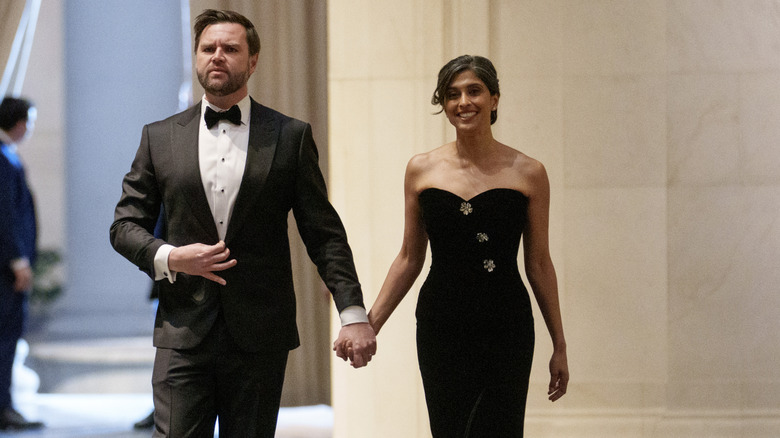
{"x":233,"y":83}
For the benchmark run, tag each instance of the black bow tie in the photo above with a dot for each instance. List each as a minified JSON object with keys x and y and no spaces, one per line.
{"x":233,"y":115}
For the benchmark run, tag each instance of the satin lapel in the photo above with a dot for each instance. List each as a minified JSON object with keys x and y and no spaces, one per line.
{"x":184,"y":141}
{"x":263,"y":136}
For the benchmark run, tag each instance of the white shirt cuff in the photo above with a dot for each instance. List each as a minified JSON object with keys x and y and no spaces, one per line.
{"x":353,"y":315}
{"x":161,"y":264}
{"x":20,"y":263}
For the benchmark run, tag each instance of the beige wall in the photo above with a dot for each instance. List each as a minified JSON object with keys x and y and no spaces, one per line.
{"x":657,"y":121}
{"x":44,"y":152}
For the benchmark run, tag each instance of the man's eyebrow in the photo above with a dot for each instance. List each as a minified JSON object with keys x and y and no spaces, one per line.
{"x":223,"y":43}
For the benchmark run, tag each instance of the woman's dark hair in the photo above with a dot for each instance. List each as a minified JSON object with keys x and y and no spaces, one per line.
{"x":212,"y":16}
{"x":481,"y":66}
{"x":13,"y":110}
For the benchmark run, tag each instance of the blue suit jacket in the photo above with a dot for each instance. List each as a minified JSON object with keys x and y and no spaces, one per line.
{"x":17,"y":216}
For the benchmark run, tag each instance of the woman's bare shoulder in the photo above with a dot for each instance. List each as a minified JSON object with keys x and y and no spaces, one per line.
{"x":423,"y":168}
{"x":529,"y":172}
{"x":525,"y":164}
{"x":427,"y":160}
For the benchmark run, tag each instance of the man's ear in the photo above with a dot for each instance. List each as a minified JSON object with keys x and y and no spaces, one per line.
{"x":253,"y":63}
{"x":18,"y":131}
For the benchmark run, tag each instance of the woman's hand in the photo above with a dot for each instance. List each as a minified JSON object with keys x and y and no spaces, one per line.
{"x":559,"y":375}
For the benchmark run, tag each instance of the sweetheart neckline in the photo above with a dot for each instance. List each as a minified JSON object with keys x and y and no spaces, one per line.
{"x":475,"y":196}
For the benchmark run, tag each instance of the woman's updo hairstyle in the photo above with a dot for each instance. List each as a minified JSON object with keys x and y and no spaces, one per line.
{"x":481,"y":66}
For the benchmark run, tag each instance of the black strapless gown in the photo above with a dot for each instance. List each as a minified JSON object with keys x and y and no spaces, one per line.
{"x":475,"y":329}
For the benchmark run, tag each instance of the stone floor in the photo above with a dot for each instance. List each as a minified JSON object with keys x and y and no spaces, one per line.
{"x":99,"y":388}
{"x":113,"y":415}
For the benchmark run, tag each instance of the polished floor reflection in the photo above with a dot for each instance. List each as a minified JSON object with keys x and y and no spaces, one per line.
{"x":98,"y":388}
{"x":113,"y":415}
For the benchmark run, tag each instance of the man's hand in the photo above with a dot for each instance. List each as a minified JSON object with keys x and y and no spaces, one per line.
{"x":200,"y":259}
{"x":356,"y":342}
{"x":23,"y":279}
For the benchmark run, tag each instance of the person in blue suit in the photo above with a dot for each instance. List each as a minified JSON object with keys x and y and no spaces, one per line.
{"x":17,"y":248}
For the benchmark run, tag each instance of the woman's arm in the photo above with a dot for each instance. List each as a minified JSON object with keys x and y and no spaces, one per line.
{"x":541,"y":275}
{"x":409,"y":262}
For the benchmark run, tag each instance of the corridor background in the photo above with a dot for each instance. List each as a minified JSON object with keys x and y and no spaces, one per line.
{"x":657,"y":122}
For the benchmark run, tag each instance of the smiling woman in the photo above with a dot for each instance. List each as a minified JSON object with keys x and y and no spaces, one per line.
{"x":467,"y":101}
{"x":474,"y":199}
{"x":479,"y":67}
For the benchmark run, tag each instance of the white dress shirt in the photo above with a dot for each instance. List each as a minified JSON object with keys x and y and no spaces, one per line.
{"x":222,"y":157}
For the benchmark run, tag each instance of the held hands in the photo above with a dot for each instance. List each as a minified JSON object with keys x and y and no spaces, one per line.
{"x":201,"y":259}
{"x":356,"y":342}
{"x":559,"y":376}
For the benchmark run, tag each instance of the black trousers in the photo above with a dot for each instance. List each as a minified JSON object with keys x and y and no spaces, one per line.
{"x":13,"y":309}
{"x":216,"y":379}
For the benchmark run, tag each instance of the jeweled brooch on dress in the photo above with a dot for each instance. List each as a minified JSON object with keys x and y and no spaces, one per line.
{"x":489,"y":265}
{"x":465,"y":208}
{"x":482,"y":237}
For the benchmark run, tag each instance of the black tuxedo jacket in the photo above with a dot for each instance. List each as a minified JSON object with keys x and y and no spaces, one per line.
{"x":281,"y":174}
